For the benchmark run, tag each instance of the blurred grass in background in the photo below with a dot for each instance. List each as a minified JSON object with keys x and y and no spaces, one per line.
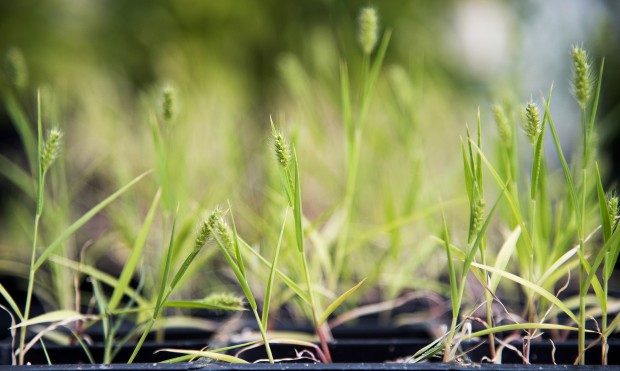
{"x":101,"y":66}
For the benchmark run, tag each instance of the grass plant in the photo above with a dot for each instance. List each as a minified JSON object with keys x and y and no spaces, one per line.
{"x":510,"y":236}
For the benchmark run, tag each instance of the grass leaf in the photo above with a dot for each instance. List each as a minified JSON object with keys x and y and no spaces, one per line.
{"x":206,"y":354}
{"x":83,"y":220}
{"x":299,"y":232}
{"x":336,"y":303}
{"x":532,"y":286}
{"x":505,"y":252}
{"x":135,"y":256}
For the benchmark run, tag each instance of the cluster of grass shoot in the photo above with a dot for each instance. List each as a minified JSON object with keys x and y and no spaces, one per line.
{"x":552,"y":230}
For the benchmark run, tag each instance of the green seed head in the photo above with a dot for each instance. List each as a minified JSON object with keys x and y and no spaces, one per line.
{"x":531,"y":123}
{"x":51,"y":149}
{"x":582,"y":76}
{"x":218,"y":227}
{"x":368,"y":29}
{"x":478,"y":215}
{"x":225,"y":301}
{"x":203,"y":235}
{"x":168,"y":102}
{"x":503,"y":127}
{"x":281,"y":148}
{"x":612,"y":207}
{"x":16,"y":68}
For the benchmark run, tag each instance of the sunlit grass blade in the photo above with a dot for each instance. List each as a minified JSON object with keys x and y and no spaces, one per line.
{"x":83,"y":220}
{"x":530,"y":285}
{"x":245,"y":287}
{"x":54,"y":316}
{"x":454,"y":289}
{"x":503,"y":257}
{"x":135,"y":255}
{"x":336,"y":303}
{"x":521,"y":326}
{"x":206,"y":354}
{"x":9,"y":299}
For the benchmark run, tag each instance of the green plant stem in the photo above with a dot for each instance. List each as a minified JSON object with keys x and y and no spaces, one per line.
{"x":315,"y":318}
{"x":37,"y":219}
{"x":263,"y":334}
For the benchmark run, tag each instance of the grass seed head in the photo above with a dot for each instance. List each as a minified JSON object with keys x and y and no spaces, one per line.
{"x":368,"y":29}
{"x":582,"y":76}
{"x":168,"y":102}
{"x":612,"y":207}
{"x":503,"y":127}
{"x":51,"y":148}
{"x":531,"y":123}
{"x":478,"y":215}
{"x":225,"y":300}
{"x":281,"y":148}
{"x":218,"y":226}
{"x":16,"y":68}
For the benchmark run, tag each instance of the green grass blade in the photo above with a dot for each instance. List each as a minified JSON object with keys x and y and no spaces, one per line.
{"x":538,"y":151}
{"x":520,"y":326}
{"x":200,"y":304}
{"x":336,"y":303}
{"x":602,"y":203}
{"x":286,"y":279}
{"x":161,"y":296}
{"x":532,"y":286}
{"x":299,"y":232}
{"x":596,"y":98}
{"x":83,"y":220}
{"x":53,"y":316}
{"x":467,"y":172}
{"x":236,"y":242}
{"x":454,"y":289}
{"x":567,"y":174}
{"x":206,"y":354}
{"x":505,"y":252}
{"x":161,"y":163}
{"x":9,"y":299}
{"x":135,"y":256}
{"x":345,"y":97}
{"x":245,"y":287}
{"x":272,"y":274}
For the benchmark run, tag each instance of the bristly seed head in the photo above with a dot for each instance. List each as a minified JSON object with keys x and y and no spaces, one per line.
{"x":531,"y":123}
{"x":51,"y":149}
{"x":283,"y":153}
{"x":218,"y":227}
{"x":224,"y":300}
{"x":612,"y":207}
{"x":368,"y":29}
{"x":503,"y":127}
{"x":16,"y":68}
{"x":206,"y":229}
{"x":168,"y":102}
{"x":478,"y":215}
{"x":582,"y":76}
